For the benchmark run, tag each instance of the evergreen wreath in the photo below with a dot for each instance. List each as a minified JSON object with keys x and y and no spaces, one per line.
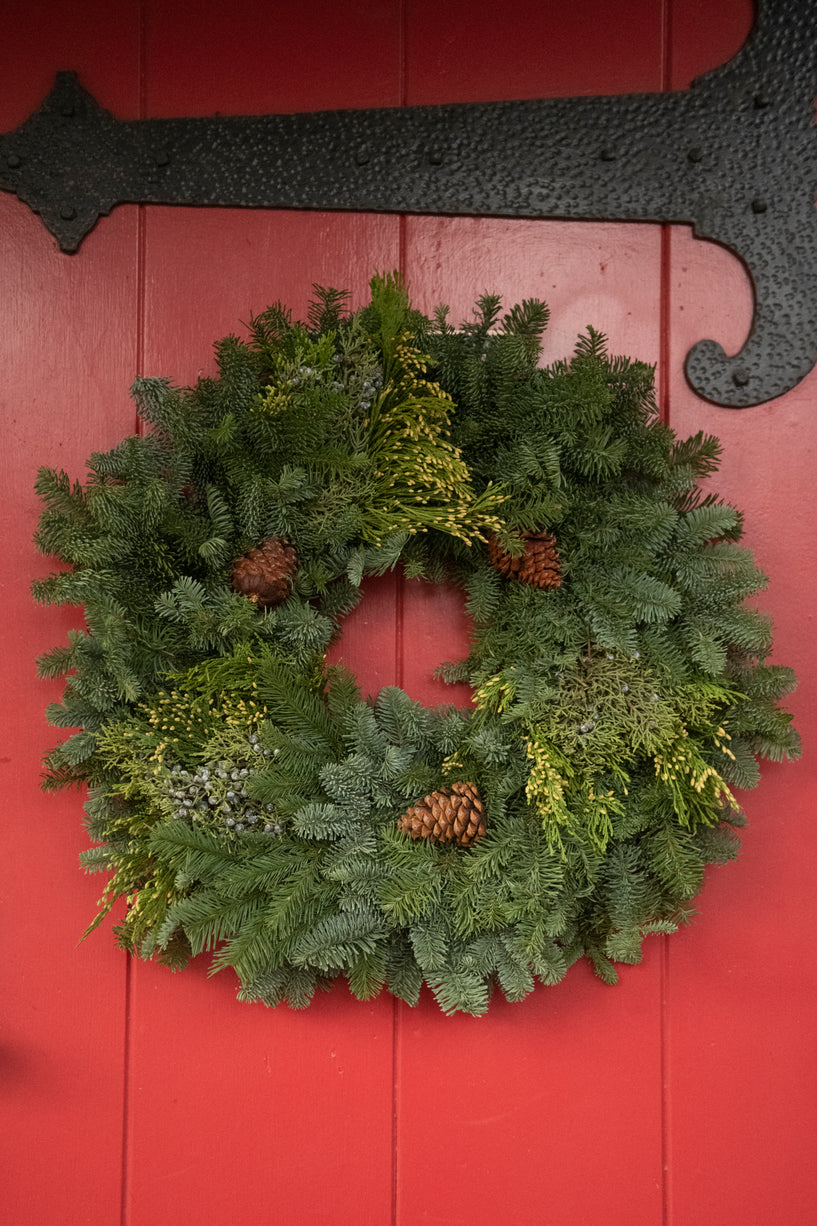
{"x":244,"y":796}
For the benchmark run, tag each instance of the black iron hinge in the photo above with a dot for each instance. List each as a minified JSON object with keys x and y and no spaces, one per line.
{"x":734,"y":156}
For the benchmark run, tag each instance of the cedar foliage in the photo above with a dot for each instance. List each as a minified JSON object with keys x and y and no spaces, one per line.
{"x":244,"y":800}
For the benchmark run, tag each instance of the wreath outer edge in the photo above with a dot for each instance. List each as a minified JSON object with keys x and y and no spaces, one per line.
{"x":245,"y":798}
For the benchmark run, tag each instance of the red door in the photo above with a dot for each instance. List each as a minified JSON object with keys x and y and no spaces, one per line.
{"x":683,"y":1096}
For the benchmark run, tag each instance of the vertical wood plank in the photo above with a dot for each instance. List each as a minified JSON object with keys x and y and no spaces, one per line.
{"x":743,"y":985}
{"x":539,"y":1106}
{"x":236,"y":1109}
{"x":67,"y":350}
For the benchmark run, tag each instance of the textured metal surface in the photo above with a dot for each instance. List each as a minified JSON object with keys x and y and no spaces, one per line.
{"x":734,"y":156}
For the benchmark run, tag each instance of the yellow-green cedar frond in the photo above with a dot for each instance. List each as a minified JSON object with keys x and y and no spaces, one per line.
{"x":571,"y":800}
{"x":275,"y":400}
{"x":422,"y":480}
{"x":699,"y":794}
{"x":496,"y":693}
{"x":548,"y":786}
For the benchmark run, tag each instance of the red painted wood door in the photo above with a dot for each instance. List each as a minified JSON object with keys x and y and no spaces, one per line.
{"x":683,"y":1096}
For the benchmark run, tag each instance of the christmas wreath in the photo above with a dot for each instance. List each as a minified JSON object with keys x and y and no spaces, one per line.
{"x":244,"y":796}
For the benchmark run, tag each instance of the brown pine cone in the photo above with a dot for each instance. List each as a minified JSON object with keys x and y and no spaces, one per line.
{"x":538,"y":565}
{"x":451,"y":815}
{"x":263,"y":575}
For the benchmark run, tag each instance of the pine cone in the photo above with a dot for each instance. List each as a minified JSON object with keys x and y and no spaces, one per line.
{"x":451,"y":815}
{"x":263,"y":575}
{"x":538,"y":565}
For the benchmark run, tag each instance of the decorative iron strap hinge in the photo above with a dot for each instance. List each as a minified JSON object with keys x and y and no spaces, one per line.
{"x":734,"y":156}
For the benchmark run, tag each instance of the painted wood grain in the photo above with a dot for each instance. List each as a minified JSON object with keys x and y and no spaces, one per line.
{"x":67,"y":354}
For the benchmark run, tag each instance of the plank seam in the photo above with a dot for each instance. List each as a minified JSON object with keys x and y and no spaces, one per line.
{"x":664,"y":356}
{"x":139,"y":429}
{"x":402,"y":89}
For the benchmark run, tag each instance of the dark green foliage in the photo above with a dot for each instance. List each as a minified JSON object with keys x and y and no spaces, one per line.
{"x":244,"y":799}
